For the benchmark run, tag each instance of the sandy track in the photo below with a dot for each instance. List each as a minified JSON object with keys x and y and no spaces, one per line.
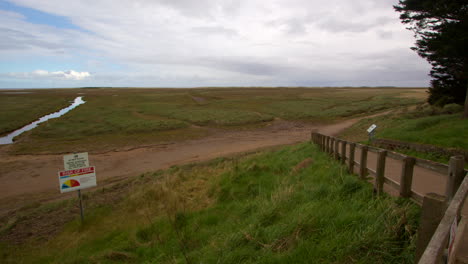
{"x":27,"y":174}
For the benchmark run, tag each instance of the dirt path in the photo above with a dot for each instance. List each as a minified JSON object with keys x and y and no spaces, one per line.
{"x":28,"y":174}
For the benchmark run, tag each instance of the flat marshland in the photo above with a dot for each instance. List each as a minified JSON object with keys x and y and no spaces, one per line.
{"x":282,"y":205}
{"x":113,"y":118}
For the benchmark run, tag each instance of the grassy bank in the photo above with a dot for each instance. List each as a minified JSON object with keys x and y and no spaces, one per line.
{"x":113,"y":118}
{"x":293,"y":205}
{"x":437,"y":127}
{"x":21,"y":109}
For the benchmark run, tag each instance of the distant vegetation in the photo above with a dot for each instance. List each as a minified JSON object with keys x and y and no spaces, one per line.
{"x":127,"y":117}
{"x":294,"y":205}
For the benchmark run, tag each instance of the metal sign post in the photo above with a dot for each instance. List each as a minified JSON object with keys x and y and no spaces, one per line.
{"x":81,"y":207}
{"x":371,"y":131}
{"x":371,"y":136}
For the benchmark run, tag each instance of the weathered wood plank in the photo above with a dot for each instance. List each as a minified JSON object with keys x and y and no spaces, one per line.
{"x":434,"y":250}
{"x":406,"y":178}
{"x":380,"y":172}
{"x":352,"y":150}
{"x":431,"y":165}
{"x":363,"y":163}
{"x":371,"y":172}
{"x":395,"y":155}
{"x":452,"y":258}
{"x":343,"y":152}
{"x":418,"y":198}
{"x":455,"y":175}
{"x":395,"y":185}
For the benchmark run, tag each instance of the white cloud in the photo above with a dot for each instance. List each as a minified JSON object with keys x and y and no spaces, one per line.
{"x":175,"y":42}
{"x":70,"y":75}
{"x":42,"y":74}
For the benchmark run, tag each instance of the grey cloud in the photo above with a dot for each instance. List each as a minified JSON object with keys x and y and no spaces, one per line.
{"x":242,"y":65}
{"x":215,"y":31}
{"x":200,"y":8}
{"x":188,"y":7}
{"x":251,"y":66}
{"x":184,"y":41}
{"x":383,"y":34}
{"x":298,"y":25}
{"x":338,"y":26}
{"x":390,"y":56}
{"x":293,"y":26}
{"x":17,"y":40}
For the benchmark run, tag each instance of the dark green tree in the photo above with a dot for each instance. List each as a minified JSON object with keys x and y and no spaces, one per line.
{"x":441,"y":31}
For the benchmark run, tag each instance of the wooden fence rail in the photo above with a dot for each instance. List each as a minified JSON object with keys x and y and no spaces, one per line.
{"x":456,"y":187}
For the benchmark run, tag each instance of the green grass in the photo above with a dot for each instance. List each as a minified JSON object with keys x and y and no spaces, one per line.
{"x":203,"y":116}
{"x":21,"y":109}
{"x":261,"y":208}
{"x":432,"y":128}
{"x":442,"y":130}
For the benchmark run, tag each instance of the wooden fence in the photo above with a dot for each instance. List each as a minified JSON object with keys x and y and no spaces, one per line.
{"x":456,"y":187}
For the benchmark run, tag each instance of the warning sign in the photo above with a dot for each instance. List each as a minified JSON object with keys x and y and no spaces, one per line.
{"x":76,"y":161}
{"x":77,"y":179}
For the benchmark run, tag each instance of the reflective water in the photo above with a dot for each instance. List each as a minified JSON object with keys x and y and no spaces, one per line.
{"x":9,"y":138}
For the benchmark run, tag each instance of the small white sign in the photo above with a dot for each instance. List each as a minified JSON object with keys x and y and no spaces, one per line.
{"x":76,"y":161}
{"x":73,"y":180}
{"x":371,"y":128}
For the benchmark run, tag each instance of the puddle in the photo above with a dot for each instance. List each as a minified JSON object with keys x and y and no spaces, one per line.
{"x":9,"y":138}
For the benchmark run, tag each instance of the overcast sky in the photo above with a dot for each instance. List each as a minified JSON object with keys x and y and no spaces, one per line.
{"x":192,"y":43}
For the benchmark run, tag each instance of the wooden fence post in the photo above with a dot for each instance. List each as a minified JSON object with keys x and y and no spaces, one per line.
{"x":343,"y":152}
{"x":324,"y":141}
{"x":380,"y":172}
{"x":332,"y":146}
{"x":455,"y":176}
{"x":406,"y":178}
{"x":337,"y":145}
{"x":352,"y":147}
{"x":327,"y":143}
{"x":432,"y":212}
{"x":363,"y":168}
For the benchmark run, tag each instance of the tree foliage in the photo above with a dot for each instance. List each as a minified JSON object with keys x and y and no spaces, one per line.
{"x":441,"y":32}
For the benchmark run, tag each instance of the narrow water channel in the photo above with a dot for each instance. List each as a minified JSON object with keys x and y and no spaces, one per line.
{"x":9,"y":138}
